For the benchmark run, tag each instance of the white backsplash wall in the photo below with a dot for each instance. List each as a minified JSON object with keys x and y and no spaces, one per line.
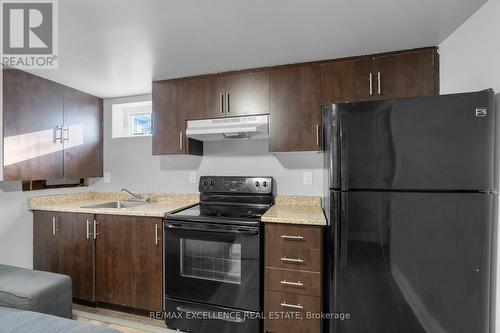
{"x":131,"y":164}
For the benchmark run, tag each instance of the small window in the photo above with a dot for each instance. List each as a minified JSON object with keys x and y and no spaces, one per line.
{"x":141,"y":124}
{"x":132,"y":119}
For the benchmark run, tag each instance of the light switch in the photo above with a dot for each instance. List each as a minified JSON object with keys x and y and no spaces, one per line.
{"x":107,"y":178}
{"x":307,"y":178}
{"x":192,"y":177}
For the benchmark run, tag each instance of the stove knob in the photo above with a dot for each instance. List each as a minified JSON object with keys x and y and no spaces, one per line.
{"x":257,"y":184}
{"x":264,"y":184}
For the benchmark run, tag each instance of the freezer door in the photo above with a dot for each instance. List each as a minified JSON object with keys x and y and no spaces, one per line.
{"x":415,"y":263}
{"x":427,"y":143}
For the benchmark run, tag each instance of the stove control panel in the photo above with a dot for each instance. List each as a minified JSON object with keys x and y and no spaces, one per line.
{"x":218,"y":184}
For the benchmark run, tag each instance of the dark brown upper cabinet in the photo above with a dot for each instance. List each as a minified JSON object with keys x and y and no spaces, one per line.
{"x":349,"y":80}
{"x":246,"y":94}
{"x":406,"y":74}
{"x":169,"y":121}
{"x":202,"y":98}
{"x":82,"y":135}
{"x":392,"y":75}
{"x":295,"y":109}
{"x":230,"y":95}
{"x":291,"y":94}
{"x":33,"y":120}
{"x":50,"y":131}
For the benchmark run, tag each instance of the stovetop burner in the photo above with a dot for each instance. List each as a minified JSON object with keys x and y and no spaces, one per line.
{"x":230,"y":200}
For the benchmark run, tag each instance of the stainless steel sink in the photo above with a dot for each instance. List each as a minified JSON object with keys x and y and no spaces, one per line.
{"x":117,"y":204}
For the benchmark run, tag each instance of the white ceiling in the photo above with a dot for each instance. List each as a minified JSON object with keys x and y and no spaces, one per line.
{"x":115,"y":48}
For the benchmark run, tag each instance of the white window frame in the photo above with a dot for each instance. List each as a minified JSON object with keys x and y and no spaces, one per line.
{"x":122,"y":113}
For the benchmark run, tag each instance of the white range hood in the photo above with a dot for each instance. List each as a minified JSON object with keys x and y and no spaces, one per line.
{"x":233,"y":128}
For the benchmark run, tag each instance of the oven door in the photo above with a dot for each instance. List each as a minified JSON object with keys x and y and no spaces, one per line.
{"x":213,"y":263}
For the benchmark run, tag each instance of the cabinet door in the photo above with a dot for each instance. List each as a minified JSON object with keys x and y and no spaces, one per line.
{"x":76,"y":252}
{"x":46,"y":241}
{"x":169,"y":122}
{"x":202,"y":98}
{"x":32,"y":108}
{"x":82,"y":135}
{"x":115,"y":249}
{"x":295,"y":109}
{"x":349,"y":80}
{"x":247,"y":94}
{"x":406,"y":74}
{"x":149,"y":263}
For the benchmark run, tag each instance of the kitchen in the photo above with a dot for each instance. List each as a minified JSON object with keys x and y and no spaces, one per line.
{"x":131,"y":162}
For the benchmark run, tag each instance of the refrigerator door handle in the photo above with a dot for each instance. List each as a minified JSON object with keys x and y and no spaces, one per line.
{"x":343,"y":159}
{"x":344,"y":229}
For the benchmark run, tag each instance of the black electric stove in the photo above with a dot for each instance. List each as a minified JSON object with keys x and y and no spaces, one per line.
{"x":213,"y":257}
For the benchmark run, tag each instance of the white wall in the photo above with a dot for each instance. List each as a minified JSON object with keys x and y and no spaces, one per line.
{"x":469,"y":62}
{"x":132,"y":165}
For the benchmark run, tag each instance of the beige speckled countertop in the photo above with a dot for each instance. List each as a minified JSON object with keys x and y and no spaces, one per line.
{"x":159,"y":206}
{"x":296,"y":210}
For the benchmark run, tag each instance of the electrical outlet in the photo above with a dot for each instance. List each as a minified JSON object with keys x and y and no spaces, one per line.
{"x":307,"y":178}
{"x":107,"y":178}
{"x":192,"y":177}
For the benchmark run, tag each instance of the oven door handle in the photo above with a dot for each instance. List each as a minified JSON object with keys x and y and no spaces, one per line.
{"x":238,"y":231}
{"x":195,"y":311}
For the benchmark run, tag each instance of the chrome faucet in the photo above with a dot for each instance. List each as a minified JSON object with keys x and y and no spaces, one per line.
{"x":135,"y":197}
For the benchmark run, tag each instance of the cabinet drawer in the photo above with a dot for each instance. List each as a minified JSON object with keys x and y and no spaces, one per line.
{"x":288,"y":313}
{"x":293,"y":258}
{"x":294,"y":236}
{"x":284,"y":280}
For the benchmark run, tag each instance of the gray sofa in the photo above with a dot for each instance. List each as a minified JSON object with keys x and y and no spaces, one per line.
{"x":38,"y":302}
{"x":37,"y":291}
{"x":22,"y":321}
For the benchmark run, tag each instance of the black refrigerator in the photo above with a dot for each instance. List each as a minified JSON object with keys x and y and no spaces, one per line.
{"x":411,"y":208}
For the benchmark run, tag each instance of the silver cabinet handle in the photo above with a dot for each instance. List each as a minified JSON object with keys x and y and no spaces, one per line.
{"x":66,"y":137}
{"x":379,"y":83}
{"x":371,"y":84}
{"x":180,"y":140}
{"x":222,"y":103}
{"x":288,"y":237}
{"x":298,"y":260}
{"x":157,"y":239}
{"x":95,"y":229}
{"x":317,"y":135}
{"x":294,"y":284}
{"x":228,"y":109}
{"x":292,"y":306}
{"x":54,"y":226}
{"x":58,"y":136}
{"x":89,"y":234}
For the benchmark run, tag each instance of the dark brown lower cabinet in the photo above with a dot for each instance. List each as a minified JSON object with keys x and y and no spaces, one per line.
{"x":45,"y":241}
{"x":76,"y":248}
{"x":149,"y":264}
{"x":129,"y":270}
{"x":122,"y":264}
{"x":62,"y":244}
{"x":114,"y":263}
{"x":293,"y":290}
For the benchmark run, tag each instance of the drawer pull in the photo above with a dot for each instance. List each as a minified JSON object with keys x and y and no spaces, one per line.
{"x":292,"y":306}
{"x":288,"y":237}
{"x":298,"y":260}
{"x":294,"y":284}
